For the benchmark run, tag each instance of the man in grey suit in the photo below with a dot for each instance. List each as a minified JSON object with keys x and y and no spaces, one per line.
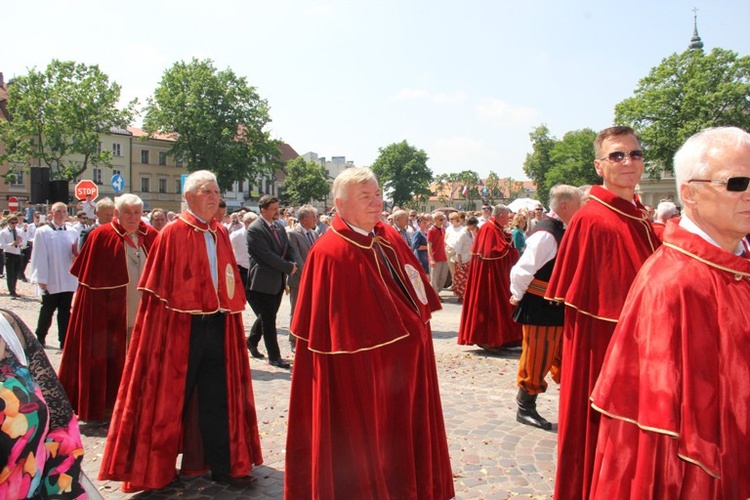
{"x":301,"y":238}
{"x":271,"y":259}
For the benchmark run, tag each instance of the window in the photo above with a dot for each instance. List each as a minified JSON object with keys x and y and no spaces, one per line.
{"x":178,"y":162}
{"x":18,"y":178}
{"x":162,"y":185}
{"x":162,"y":159}
{"x":116,"y":172}
{"x":144,"y":156}
{"x":145,"y":185}
{"x":99,"y":148}
{"x":97,"y":175}
{"x":116,"y":151}
{"x":178,"y":186}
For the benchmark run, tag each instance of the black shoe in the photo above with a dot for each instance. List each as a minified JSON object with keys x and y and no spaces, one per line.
{"x":279,"y":363}
{"x":23,"y":278}
{"x":237,"y":482}
{"x":254,"y":352}
{"x":527,"y":413}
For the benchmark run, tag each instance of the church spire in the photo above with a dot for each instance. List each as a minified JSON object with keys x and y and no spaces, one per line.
{"x":695,"y":42}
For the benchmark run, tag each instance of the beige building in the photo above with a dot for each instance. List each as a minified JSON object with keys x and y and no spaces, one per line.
{"x":653,"y":191}
{"x":155,"y":175}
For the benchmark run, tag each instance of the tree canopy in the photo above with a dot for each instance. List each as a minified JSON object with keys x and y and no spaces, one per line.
{"x":683,"y":95}
{"x":305,"y":181}
{"x":57,"y":116}
{"x":402,"y":172}
{"x":572,"y":160}
{"x":217,"y":119}
{"x":538,"y":162}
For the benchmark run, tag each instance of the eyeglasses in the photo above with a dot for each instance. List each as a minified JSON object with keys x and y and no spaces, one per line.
{"x":12,"y":222}
{"x":619,"y":156}
{"x":538,"y":209}
{"x":734,"y":184}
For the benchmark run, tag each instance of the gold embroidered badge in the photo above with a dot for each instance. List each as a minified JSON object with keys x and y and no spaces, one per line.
{"x":229,"y":278}
{"x":416,"y":282}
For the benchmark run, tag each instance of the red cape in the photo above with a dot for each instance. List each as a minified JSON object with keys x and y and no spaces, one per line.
{"x":146,"y":433}
{"x":658,"y":230}
{"x":487,"y":316}
{"x":94,"y":353}
{"x":365,"y":419}
{"x":675,"y":379}
{"x":602,"y":250}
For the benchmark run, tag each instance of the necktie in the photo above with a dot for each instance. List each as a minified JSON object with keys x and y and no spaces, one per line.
{"x":310,"y":238}
{"x":275,"y":234}
{"x":15,"y":237}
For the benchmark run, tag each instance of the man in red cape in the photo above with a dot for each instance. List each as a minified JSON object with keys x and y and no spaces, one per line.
{"x":187,"y":366}
{"x":602,"y":250}
{"x":487,"y":316}
{"x":94,"y":353}
{"x":674,"y":387}
{"x":365,"y":419}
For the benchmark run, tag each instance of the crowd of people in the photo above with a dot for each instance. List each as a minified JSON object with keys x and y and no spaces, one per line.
{"x":635,"y":312}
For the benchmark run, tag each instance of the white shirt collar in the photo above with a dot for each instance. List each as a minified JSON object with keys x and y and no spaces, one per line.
{"x":692,"y":227}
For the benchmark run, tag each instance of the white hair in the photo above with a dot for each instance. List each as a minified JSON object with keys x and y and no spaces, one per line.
{"x":128,"y":199}
{"x":499,"y":210}
{"x":306,"y":211}
{"x":249,"y":217}
{"x":691,"y":160}
{"x":105,"y":202}
{"x":352,"y":175}
{"x":561,"y":193}
{"x":197,"y":178}
{"x":665,"y":210}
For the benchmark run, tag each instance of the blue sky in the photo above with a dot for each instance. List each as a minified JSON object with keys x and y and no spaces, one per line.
{"x":465,"y":81}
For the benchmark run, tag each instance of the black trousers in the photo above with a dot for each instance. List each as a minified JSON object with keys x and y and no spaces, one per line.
{"x":26,"y":252}
{"x":265,"y":306}
{"x":13,"y":264}
{"x":206,"y":371}
{"x":51,"y":302}
{"x":243,"y":276}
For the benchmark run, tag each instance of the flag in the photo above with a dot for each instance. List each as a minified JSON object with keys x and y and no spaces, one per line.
{"x":465,"y":191}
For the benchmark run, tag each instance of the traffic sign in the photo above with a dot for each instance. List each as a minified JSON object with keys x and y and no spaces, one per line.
{"x":86,"y":188}
{"x":13,"y":204}
{"x":118,"y":182}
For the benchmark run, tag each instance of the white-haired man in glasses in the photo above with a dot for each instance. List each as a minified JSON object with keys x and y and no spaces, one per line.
{"x":673,"y":388}
{"x":604,"y":247}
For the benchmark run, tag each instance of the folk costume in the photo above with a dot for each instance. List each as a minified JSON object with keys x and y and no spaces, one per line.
{"x":153,"y":415}
{"x":605,"y":245}
{"x":486,"y":318}
{"x":673,"y":389}
{"x":94,"y":355}
{"x":365,"y":418}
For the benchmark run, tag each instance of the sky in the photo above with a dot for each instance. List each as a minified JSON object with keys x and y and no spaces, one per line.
{"x":465,"y":81}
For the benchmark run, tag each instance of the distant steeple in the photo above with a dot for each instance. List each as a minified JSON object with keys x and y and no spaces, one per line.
{"x":695,"y":43}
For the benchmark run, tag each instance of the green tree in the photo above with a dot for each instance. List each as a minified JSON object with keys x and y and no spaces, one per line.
{"x":467,"y":180}
{"x":513,"y":187}
{"x":538,"y":162}
{"x":402,"y":172}
{"x":305,"y":181}
{"x":218,"y":121}
{"x":684,"y":94}
{"x":57,"y":116}
{"x":572,"y":160}
{"x":494,"y":189}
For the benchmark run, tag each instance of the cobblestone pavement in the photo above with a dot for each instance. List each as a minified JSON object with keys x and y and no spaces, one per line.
{"x":493,"y":456}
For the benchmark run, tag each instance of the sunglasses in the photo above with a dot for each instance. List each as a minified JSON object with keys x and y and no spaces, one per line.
{"x":734,"y":184}
{"x":619,"y":156}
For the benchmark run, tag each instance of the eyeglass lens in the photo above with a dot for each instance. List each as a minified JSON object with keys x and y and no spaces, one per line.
{"x":618,"y":156}
{"x":738,"y":183}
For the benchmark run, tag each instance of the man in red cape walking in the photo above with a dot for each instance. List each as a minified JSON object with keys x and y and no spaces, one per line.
{"x":604,"y":247}
{"x":365,"y":419}
{"x":674,"y":389}
{"x":108,"y":269}
{"x":487,"y":316}
{"x":186,"y":384}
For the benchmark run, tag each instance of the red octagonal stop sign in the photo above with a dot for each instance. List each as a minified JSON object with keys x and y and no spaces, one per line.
{"x":85,"y":188}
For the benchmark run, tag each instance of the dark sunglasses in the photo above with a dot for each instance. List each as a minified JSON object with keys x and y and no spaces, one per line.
{"x":619,"y":156}
{"x":734,"y":184}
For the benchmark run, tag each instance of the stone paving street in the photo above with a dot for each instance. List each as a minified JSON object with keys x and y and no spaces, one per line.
{"x":493,"y":457}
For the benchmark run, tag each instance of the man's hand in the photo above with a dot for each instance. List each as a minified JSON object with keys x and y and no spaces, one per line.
{"x":294,"y":269}
{"x":43,"y":286}
{"x":513,"y":301}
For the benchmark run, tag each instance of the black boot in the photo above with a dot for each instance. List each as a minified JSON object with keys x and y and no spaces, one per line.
{"x":527,"y":414}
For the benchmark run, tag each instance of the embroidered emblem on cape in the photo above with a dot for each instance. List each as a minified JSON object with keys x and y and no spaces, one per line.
{"x":416,"y":282}
{"x":229,"y":277}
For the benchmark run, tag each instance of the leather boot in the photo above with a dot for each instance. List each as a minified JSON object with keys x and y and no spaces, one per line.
{"x":527,"y":413}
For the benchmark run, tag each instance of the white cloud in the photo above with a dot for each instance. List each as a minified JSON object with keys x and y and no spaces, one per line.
{"x":504,"y":113}
{"x":411,"y":95}
{"x":459,"y":153}
{"x":449,"y":97}
{"x":408,"y":94}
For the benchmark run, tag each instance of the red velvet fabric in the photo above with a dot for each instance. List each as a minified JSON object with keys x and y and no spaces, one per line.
{"x":658,"y":230}
{"x":94,"y":353}
{"x":487,"y":316}
{"x":675,"y":385}
{"x":365,"y":418}
{"x":603,"y":248}
{"x":146,"y":432}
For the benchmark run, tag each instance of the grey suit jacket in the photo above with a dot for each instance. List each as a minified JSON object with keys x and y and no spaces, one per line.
{"x":301,"y":245}
{"x":270,"y":261}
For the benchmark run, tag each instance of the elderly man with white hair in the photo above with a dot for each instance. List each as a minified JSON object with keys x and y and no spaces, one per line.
{"x":365,"y":419}
{"x":673,"y":389}
{"x":108,"y":269}
{"x":665,"y":210}
{"x":186,"y":385}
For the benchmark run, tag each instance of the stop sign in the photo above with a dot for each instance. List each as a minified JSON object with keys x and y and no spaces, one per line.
{"x":85,"y":188}
{"x":13,"y":204}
